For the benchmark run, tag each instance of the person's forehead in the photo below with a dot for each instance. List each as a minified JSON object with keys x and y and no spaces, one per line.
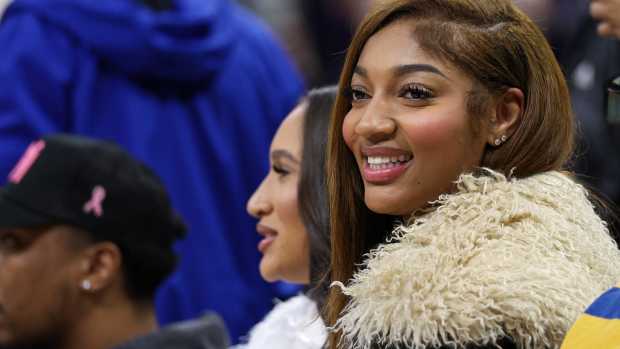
{"x":25,"y":232}
{"x":54,"y":237}
{"x":289,"y":134}
{"x":394,"y":49}
{"x":395,"y":43}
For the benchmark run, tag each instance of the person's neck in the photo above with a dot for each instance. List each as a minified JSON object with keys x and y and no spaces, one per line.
{"x":108,"y":325}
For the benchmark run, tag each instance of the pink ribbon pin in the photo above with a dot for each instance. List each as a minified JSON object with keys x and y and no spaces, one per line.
{"x":94,"y":204}
{"x":23,"y":165}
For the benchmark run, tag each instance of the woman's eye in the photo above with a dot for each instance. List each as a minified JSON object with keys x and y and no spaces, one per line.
{"x":357,"y":94}
{"x":282,"y":172}
{"x":416,"y":92}
{"x":9,"y":242}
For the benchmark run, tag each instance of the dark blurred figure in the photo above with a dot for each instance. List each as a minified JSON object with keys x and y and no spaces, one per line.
{"x":193,"y":88}
{"x":86,"y":236}
{"x":316,"y":33}
{"x":589,"y":62}
{"x":331,"y":28}
{"x":332,"y":25}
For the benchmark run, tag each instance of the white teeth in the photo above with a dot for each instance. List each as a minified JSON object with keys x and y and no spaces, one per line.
{"x":380,"y":161}
{"x":382,"y":166}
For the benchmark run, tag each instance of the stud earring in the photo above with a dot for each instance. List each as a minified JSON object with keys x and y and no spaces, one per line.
{"x":86,"y":285}
{"x":500,"y":140}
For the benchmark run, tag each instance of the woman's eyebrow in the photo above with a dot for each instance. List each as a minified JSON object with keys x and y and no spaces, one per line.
{"x":360,"y":71}
{"x":414,"y":68}
{"x":404,"y":69}
{"x":281,"y":153}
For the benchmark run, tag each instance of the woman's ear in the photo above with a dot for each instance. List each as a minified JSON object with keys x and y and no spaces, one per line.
{"x":505,"y":116}
{"x":100,"y":266}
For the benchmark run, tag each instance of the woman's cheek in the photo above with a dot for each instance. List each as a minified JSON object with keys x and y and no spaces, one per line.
{"x":431,"y":132}
{"x":348,"y":130}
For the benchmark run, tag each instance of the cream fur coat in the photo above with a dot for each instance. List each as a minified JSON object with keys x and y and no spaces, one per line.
{"x":500,"y":257}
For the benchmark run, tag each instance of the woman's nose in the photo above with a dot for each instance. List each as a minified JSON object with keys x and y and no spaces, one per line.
{"x":258,"y":205}
{"x":376,"y":124}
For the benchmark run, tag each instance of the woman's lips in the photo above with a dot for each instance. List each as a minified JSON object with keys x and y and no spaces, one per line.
{"x":383,"y":165}
{"x":265,"y":243}
{"x":269,"y":236}
{"x":384,"y":175}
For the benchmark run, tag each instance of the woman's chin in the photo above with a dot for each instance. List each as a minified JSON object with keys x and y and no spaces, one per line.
{"x":267,"y":271}
{"x":388,"y":206}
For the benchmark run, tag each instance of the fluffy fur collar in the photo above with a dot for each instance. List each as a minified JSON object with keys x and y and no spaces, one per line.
{"x":500,"y":257}
{"x":294,"y":323}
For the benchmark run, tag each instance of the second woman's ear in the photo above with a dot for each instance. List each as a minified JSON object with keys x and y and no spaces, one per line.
{"x":506,"y":114}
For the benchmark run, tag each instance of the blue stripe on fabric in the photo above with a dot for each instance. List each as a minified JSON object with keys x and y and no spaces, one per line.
{"x":607,"y":306}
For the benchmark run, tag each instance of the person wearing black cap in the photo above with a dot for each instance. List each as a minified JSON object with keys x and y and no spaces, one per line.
{"x":86,"y":236}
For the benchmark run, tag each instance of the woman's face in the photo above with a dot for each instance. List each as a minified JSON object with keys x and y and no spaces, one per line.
{"x":285,"y":246}
{"x":408,"y":127}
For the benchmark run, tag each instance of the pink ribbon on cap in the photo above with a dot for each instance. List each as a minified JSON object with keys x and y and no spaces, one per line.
{"x":94,"y":204}
{"x":23,"y":165}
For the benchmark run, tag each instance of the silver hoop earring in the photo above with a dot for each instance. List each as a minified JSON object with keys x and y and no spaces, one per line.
{"x":504,"y":138}
{"x":498,"y":141}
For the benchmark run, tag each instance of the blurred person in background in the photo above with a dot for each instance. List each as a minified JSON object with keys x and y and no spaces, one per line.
{"x":589,"y":62}
{"x":316,"y":33}
{"x":3,"y":5}
{"x":292,"y":208}
{"x":331,"y":25}
{"x":86,"y":236}
{"x":193,"y":88}
{"x":598,"y":326}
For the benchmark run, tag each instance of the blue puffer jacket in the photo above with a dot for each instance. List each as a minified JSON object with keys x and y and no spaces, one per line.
{"x":196,"y":92}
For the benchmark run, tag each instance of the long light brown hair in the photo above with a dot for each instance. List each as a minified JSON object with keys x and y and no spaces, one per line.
{"x":495,"y":45}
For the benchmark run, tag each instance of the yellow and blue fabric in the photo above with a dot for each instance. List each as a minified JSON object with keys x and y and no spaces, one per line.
{"x":599,"y":326}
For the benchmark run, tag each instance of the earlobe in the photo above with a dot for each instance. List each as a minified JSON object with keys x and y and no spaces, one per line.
{"x":102,"y":265}
{"x":507,"y":115}
{"x":86,"y":285}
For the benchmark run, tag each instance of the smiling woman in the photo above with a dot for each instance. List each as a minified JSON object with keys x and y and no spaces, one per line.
{"x":403,"y":101}
{"x":454,"y":221}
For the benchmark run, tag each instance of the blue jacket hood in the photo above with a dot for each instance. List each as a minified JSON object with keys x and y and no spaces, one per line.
{"x":187,"y":43}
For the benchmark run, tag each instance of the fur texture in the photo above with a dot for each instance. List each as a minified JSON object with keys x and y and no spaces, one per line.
{"x":294,"y":323}
{"x":500,"y":257}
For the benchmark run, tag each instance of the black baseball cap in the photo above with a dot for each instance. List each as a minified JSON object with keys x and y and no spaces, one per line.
{"x":90,"y":184}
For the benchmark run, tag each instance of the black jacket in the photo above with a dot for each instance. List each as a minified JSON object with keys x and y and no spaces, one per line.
{"x":207,"y":332}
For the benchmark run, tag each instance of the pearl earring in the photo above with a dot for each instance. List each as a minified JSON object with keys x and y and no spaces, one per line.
{"x":86,"y":285}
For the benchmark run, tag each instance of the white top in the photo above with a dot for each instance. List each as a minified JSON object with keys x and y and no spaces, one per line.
{"x":3,"y":5}
{"x":293,"y":324}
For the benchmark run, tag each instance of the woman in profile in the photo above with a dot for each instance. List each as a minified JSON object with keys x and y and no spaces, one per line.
{"x":291,"y":205}
{"x":454,"y":221}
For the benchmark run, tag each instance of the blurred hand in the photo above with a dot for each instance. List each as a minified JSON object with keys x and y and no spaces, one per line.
{"x":607,"y":12}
